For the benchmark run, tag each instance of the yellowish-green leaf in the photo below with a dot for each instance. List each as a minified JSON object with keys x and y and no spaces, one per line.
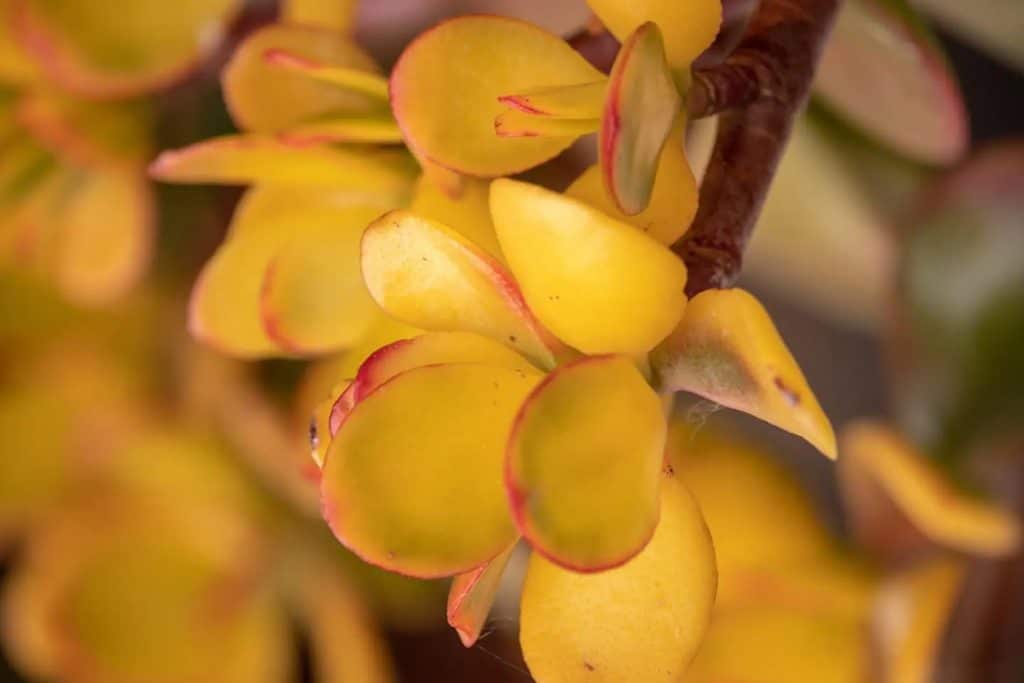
{"x":368,"y":129}
{"x":428,"y":275}
{"x":640,"y":106}
{"x":472,"y":595}
{"x":151,"y":44}
{"x":467,"y":212}
{"x":673,"y":201}
{"x":727,"y":350}
{"x":598,"y":284}
{"x":414,"y":484}
{"x":515,"y":123}
{"x":265,"y":98}
{"x":246,"y":159}
{"x":445,"y":89}
{"x":313,"y":299}
{"x":875,"y":455}
{"x":584,"y":464}
{"x":640,"y":622}
{"x":689,"y":27}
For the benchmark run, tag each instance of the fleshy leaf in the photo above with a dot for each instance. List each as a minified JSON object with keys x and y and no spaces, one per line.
{"x":427,"y":275}
{"x":432,"y":348}
{"x":368,"y":129}
{"x":874,"y":455}
{"x":642,"y":621}
{"x":578,"y":101}
{"x":445,"y":89}
{"x":673,"y":201}
{"x":468,"y":212}
{"x":472,"y":595}
{"x":245,"y":159}
{"x":584,"y":464}
{"x":641,"y":104}
{"x":514,"y":123}
{"x":781,"y":645}
{"x":313,"y":298}
{"x":689,"y":27}
{"x":885,"y":72}
{"x":727,"y":350}
{"x":336,"y":15}
{"x":102,"y":245}
{"x":597,"y":283}
{"x":318,"y":430}
{"x":150,"y":45}
{"x":344,"y":77}
{"x":266,"y":98}
{"x":414,"y":484}
{"x":911,"y":614}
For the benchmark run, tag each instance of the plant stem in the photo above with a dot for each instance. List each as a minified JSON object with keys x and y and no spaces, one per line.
{"x":758,"y":91}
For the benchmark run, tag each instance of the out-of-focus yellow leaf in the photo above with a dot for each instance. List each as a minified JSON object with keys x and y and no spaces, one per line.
{"x":472,"y":595}
{"x":727,"y":350}
{"x":641,"y":104}
{"x":428,"y":275}
{"x":16,"y":66}
{"x":781,"y":645}
{"x":584,"y":464}
{"x":598,"y":284}
{"x":102,"y":246}
{"x":246,"y":159}
{"x":875,"y":455}
{"x":640,"y":622}
{"x":266,"y":98}
{"x":150,"y":45}
{"x":336,"y":15}
{"x":445,"y":89}
{"x":673,"y":200}
{"x":911,"y":614}
{"x":689,"y":27}
{"x":318,"y":433}
{"x":313,"y":299}
{"x":414,"y":484}
{"x":468,"y":212}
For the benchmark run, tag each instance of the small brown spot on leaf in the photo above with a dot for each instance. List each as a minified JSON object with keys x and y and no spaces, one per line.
{"x":588,"y":666}
{"x":791,"y":396}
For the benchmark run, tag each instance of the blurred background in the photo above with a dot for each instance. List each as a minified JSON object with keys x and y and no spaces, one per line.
{"x":142,"y":469}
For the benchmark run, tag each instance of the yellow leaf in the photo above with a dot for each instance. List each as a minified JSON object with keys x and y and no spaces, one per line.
{"x":414,"y":484}
{"x":336,"y":15}
{"x":246,"y":159}
{"x":151,"y":44}
{"x":577,"y":101}
{"x":640,"y":622}
{"x":445,"y":89}
{"x":641,"y":104}
{"x":584,"y":464}
{"x":689,"y":27}
{"x":598,"y":284}
{"x":366,"y":129}
{"x":265,"y":98}
{"x":428,"y":275}
{"x":727,"y":350}
{"x":313,"y":299}
{"x":472,"y":595}
{"x":911,"y":615}
{"x":875,"y":455}
{"x":468,"y":212}
{"x":673,"y":200}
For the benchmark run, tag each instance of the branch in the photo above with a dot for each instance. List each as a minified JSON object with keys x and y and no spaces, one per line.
{"x":759,"y":90}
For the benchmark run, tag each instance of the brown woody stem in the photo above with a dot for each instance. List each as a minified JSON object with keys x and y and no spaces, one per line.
{"x":758,"y":91}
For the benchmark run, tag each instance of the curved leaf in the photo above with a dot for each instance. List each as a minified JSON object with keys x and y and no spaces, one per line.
{"x":472,"y":595}
{"x":689,"y":27}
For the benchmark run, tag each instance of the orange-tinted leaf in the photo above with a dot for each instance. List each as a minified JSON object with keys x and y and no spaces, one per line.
{"x":640,"y":622}
{"x":266,"y":98}
{"x":413,"y":484}
{"x":584,"y":464}
{"x":430,"y":276}
{"x":641,"y":104}
{"x":727,"y":350}
{"x":598,"y":284}
{"x":472,"y":595}
{"x":445,"y":89}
